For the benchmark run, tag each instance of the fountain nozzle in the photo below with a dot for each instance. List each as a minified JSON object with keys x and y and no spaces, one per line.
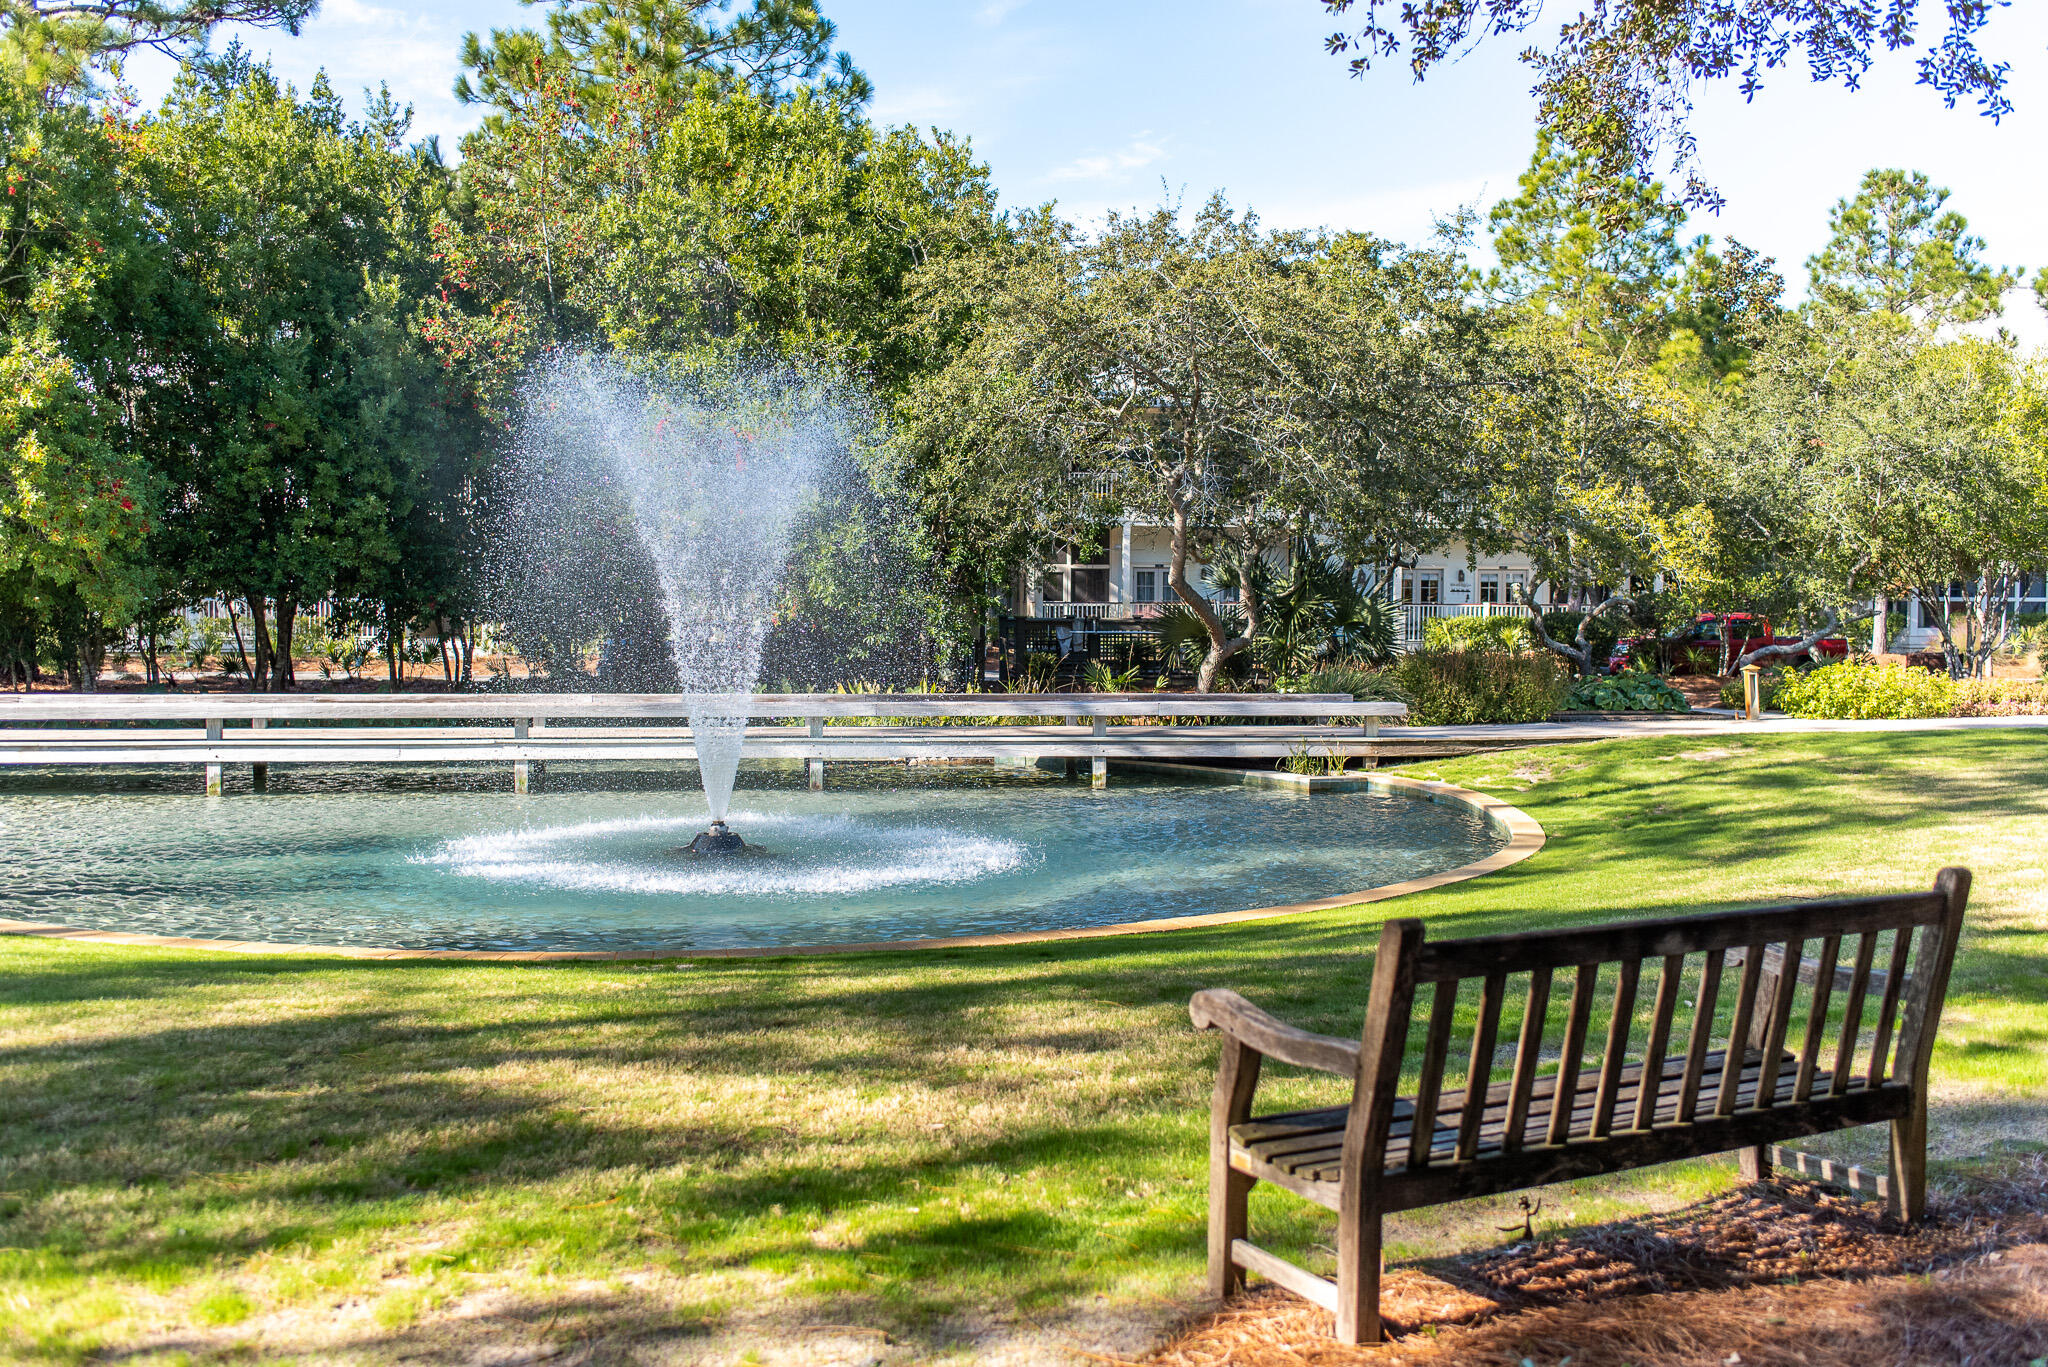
{"x":717,"y":840}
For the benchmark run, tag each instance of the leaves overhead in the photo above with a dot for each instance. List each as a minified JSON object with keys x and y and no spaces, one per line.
{"x":1617,"y":78}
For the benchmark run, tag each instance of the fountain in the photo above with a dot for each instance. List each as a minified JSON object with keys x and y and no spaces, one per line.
{"x":717,"y":474}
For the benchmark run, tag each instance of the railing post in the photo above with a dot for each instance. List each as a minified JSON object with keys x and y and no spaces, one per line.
{"x":259,"y":774}
{"x":814,"y":767}
{"x":213,"y":733}
{"x":527,"y":775}
{"x":1099,"y":768}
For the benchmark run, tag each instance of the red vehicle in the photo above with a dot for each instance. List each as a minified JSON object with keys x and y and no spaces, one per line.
{"x":1699,"y":647}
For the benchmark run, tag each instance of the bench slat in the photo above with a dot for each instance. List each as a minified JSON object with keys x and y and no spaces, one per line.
{"x":1880,"y":1048}
{"x":1574,"y":1053}
{"x":1479,"y":1073}
{"x":1435,"y":1053}
{"x":1706,"y":1008}
{"x":1817,"y":1017}
{"x":1738,"y":1029}
{"x":1785,"y":993}
{"x":1660,"y":1036}
{"x":1527,"y":1050}
{"x":1852,"y":1013}
{"x":1620,"y":1026}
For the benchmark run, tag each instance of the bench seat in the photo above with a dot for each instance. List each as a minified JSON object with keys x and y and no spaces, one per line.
{"x":1302,"y":1151}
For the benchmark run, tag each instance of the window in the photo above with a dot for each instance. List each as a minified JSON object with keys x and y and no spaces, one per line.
{"x":1148,"y":586}
{"x":1091,"y":583}
{"x":1064,"y":581}
{"x":1489,"y":587}
{"x":1517,"y":586}
{"x":1422,"y":586}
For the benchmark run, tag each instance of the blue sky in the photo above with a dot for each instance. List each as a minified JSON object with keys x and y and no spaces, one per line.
{"x":1097,"y":105}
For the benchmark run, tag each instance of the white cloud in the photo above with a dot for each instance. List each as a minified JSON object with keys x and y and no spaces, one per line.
{"x":914,"y":105}
{"x":995,"y":11}
{"x":1136,"y":155}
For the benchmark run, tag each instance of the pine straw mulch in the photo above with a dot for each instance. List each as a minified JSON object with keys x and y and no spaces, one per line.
{"x":1785,"y":1272}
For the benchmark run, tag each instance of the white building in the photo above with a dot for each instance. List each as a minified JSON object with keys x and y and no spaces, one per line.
{"x":1129,"y":579}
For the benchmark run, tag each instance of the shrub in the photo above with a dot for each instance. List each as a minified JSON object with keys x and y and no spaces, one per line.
{"x":1362,"y":683}
{"x":1853,"y":692}
{"x":1767,"y":688}
{"x":1630,"y":691}
{"x":1463,"y":687}
{"x":1477,"y":633}
{"x":2001,"y":698}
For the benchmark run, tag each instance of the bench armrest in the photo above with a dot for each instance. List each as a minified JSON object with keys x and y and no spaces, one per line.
{"x":1221,"y":1009}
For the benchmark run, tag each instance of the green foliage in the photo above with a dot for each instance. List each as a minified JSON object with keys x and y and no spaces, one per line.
{"x":675,"y":49}
{"x":1470,"y":687}
{"x":1303,"y":760}
{"x":1896,"y":248}
{"x":1629,"y":691}
{"x":1859,"y":692}
{"x":2001,"y":697}
{"x":1502,"y":633}
{"x":1768,"y":679}
{"x":1102,"y":678}
{"x":1363,"y":682}
{"x":1604,"y":631}
{"x":1619,"y":78}
{"x":1313,"y":613}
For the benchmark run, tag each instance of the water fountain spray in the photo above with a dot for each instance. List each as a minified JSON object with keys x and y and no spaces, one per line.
{"x":718,"y":473}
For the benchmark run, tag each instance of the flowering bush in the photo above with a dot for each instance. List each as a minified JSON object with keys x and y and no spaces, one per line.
{"x":2001,"y":697}
{"x":1855,"y":692}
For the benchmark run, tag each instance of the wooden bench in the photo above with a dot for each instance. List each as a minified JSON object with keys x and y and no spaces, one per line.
{"x":1764,"y":1056}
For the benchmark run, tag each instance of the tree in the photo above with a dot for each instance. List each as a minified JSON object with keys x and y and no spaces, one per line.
{"x":1241,"y":387}
{"x":1617,"y":79}
{"x":1884,"y":456}
{"x":1896,"y":248}
{"x":1599,"y":248}
{"x":671,"y":50}
{"x":80,"y":282}
{"x":53,"y":44}
{"x":299,"y":240}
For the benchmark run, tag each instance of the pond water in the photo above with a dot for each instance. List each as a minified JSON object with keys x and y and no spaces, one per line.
{"x":446,"y":858}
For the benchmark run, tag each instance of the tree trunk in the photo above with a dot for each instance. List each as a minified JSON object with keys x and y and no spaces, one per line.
{"x":1221,"y":644}
{"x":241,"y":653}
{"x":282,"y":676}
{"x":259,"y":637}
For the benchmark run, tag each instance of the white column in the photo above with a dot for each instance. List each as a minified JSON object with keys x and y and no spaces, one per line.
{"x":1123,"y":567}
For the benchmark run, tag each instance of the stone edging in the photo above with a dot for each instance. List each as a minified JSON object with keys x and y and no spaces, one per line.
{"x":1525,"y":837}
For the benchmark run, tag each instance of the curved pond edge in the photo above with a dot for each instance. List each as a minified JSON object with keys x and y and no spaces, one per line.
{"x":1524,"y":838}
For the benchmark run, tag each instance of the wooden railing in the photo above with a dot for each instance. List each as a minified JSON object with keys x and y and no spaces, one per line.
{"x":528,"y":729}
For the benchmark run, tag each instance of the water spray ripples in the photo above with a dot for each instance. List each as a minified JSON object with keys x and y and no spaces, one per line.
{"x":795,"y":856}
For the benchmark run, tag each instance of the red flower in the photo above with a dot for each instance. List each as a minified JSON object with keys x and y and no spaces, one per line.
{"x":127,"y":505}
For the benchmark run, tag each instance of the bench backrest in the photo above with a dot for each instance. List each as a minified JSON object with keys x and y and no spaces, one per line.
{"x":1859,"y":1013}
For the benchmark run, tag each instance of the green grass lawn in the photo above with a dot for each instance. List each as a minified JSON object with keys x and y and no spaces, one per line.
{"x":209,"y":1155}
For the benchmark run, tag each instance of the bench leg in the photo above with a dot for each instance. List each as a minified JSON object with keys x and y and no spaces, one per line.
{"x":1229,"y":1200}
{"x":1358,"y":1277}
{"x":1098,"y":773}
{"x":213,"y":780}
{"x":814,"y":773}
{"x":1906,"y":1184}
{"x":1755,"y":1163}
